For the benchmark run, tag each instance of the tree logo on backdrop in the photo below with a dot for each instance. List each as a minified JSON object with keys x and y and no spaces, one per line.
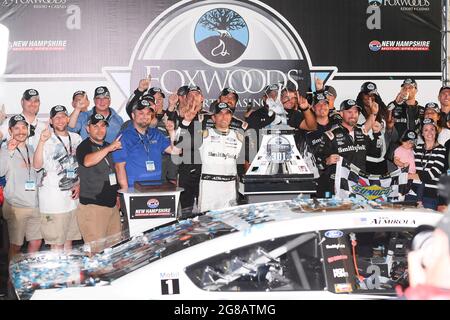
{"x":244,"y":45}
{"x":375,"y":3}
{"x":221,"y":35}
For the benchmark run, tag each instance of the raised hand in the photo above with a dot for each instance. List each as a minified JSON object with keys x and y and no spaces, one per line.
{"x":116,"y":144}
{"x":302,"y":101}
{"x":12,"y":144}
{"x":45,"y":134}
{"x":144,"y":84}
{"x":374,"y":107}
{"x":173,"y":99}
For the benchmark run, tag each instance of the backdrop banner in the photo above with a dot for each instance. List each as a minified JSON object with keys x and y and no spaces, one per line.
{"x":60,"y":46}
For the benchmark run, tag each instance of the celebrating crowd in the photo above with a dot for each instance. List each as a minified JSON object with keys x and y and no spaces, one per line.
{"x":63,"y":173}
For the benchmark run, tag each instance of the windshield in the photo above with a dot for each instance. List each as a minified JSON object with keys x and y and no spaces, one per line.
{"x":58,"y":269}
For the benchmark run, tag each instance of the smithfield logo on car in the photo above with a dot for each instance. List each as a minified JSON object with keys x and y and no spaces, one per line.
{"x":221,"y":35}
{"x":375,"y":45}
{"x":335,"y":246}
{"x":334,"y":234}
{"x":153,"y":203}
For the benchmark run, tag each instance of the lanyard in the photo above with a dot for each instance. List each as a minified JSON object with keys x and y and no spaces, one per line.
{"x":27,"y":163}
{"x":106,"y":160}
{"x":70,"y":144}
{"x":147,"y":150}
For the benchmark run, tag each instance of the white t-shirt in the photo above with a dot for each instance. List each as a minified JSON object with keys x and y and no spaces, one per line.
{"x":39,"y":125}
{"x":60,"y":175}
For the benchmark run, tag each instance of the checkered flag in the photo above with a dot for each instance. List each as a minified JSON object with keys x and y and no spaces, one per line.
{"x":352,"y":182}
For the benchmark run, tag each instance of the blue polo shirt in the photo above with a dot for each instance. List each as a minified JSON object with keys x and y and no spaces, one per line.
{"x":137,"y":149}
{"x":115,"y":122}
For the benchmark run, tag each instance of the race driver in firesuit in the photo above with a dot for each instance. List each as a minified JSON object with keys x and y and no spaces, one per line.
{"x":346,"y":140}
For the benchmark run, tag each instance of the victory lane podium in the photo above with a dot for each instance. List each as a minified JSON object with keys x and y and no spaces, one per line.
{"x":148,"y":205}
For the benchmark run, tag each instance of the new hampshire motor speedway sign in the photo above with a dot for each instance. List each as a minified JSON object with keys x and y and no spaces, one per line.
{"x":60,"y":46}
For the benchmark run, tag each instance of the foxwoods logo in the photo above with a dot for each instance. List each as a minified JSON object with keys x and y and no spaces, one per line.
{"x":221,"y":35}
{"x":244,"y":45}
{"x":405,"y":5}
{"x":7,"y":3}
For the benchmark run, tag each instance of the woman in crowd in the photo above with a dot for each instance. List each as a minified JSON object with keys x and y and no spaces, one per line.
{"x":429,"y":159}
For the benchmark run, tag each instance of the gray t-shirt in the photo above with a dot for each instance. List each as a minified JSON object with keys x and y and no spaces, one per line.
{"x":18,"y":170}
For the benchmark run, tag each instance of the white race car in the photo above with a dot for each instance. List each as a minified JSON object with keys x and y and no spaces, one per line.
{"x":299,"y":249}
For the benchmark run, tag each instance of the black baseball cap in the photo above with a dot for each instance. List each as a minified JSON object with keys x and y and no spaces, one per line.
{"x":194,"y":88}
{"x":369,"y":88}
{"x":409,"y":135}
{"x":444,"y":88}
{"x":101,"y":92}
{"x":410,"y":81}
{"x":348,"y":104}
{"x":57,"y":109}
{"x":30,"y":93}
{"x":434,"y":106}
{"x":142,"y":104}
{"x":182,"y":91}
{"x":152,"y":91}
{"x":319,"y":97}
{"x":227,"y":91}
{"x":271,"y":87}
{"x":428,"y":121}
{"x":96,"y":118}
{"x":329,"y":91}
{"x":222,"y":106}
{"x":150,"y":98}
{"x":77,"y":93}
{"x":16,"y":119}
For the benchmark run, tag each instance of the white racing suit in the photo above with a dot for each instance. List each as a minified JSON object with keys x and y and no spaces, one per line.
{"x":218,"y":152}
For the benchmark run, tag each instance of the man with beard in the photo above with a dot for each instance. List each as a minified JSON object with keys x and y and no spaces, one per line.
{"x":20,"y":208}
{"x":346,"y":140}
{"x":230,"y":97}
{"x":140,"y":157}
{"x":444,"y":101}
{"x":97,"y":214}
{"x":59,"y":190}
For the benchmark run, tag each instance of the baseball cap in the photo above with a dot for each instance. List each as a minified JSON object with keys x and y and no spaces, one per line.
{"x":271,"y":87}
{"x":318,"y":97}
{"x":101,"y":92}
{"x":17,"y":118}
{"x":182,"y":91}
{"x":369,"y":88}
{"x":222,"y":106}
{"x":410,"y":81}
{"x":152,"y":91}
{"x":96,"y":118}
{"x":329,"y":91}
{"x":409,"y":135}
{"x":348,"y":104}
{"x":142,"y":104}
{"x":57,"y":109}
{"x":432,"y":105}
{"x":443,"y":88}
{"x":77,"y":93}
{"x":194,"y":88}
{"x":150,"y":98}
{"x":428,"y":121}
{"x":227,"y":91}
{"x":30,"y":93}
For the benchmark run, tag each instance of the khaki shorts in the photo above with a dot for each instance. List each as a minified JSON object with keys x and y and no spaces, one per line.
{"x":22,"y":223}
{"x":99,"y":223}
{"x":59,"y":228}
